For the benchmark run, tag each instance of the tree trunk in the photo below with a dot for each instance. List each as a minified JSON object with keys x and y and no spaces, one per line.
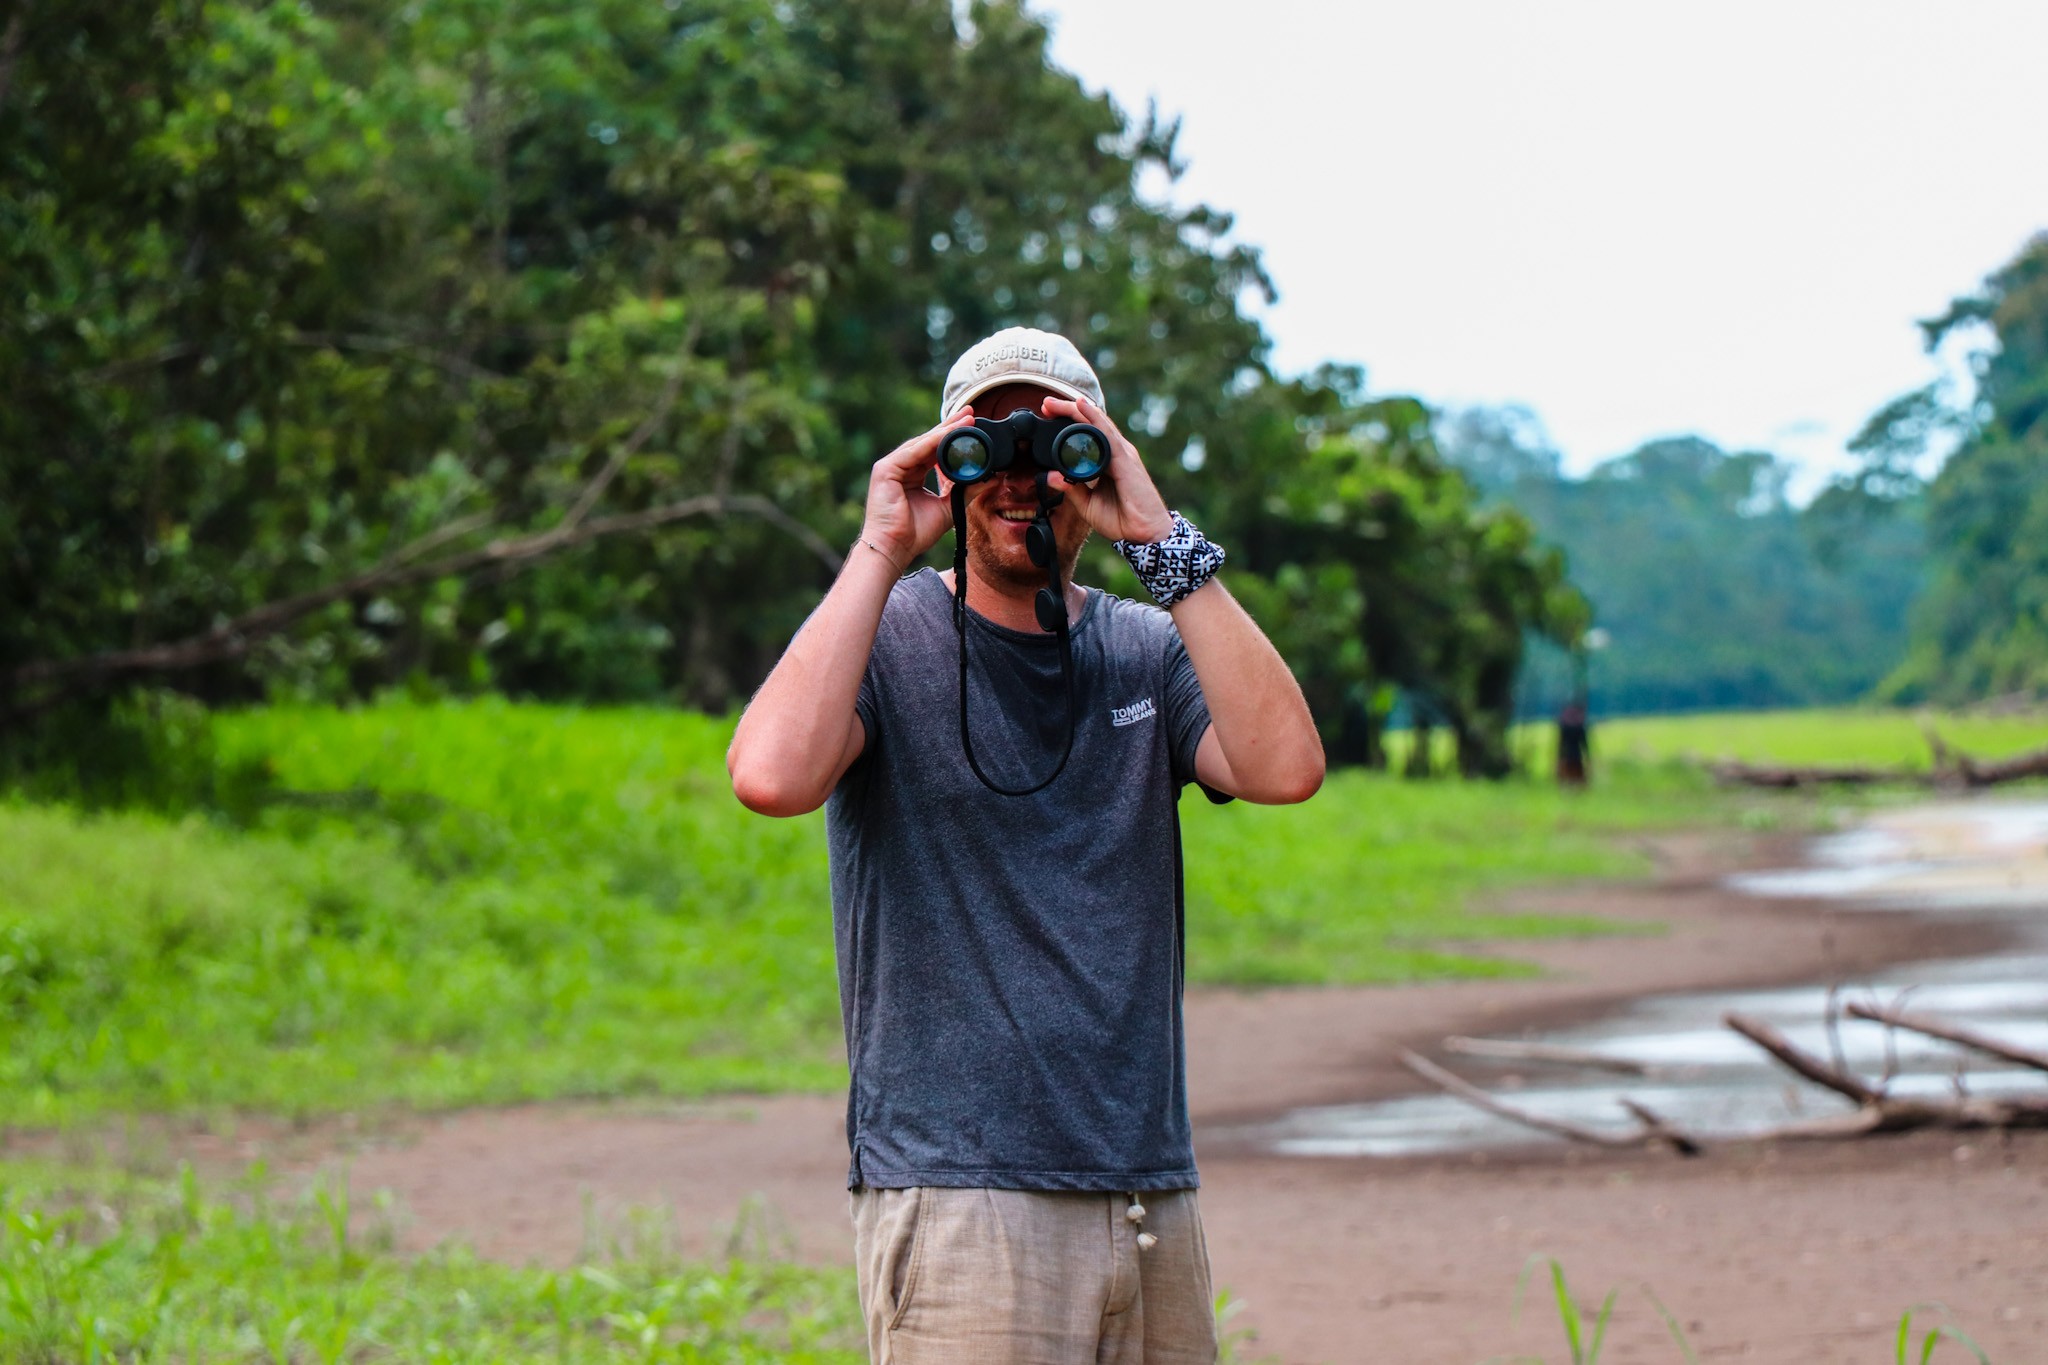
{"x":1423,"y":740}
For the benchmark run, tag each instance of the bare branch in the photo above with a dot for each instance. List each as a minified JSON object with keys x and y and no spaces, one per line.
{"x":1831,"y":1019}
{"x":1657,"y":1128}
{"x":1855,"y":1123}
{"x":1803,"y":1063}
{"x":1508,"y":1050}
{"x":162,"y":355}
{"x":642,"y":434}
{"x":744,"y":504}
{"x":1875,"y":1112}
{"x":1473,"y":1095}
{"x":363,"y":341}
{"x":439,"y":536}
{"x":1894,"y":1017}
{"x":1942,"y":757}
{"x":234,"y":638}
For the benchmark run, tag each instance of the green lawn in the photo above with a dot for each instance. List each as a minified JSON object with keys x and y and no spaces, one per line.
{"x":484,"y":902}
{"x":109,"y":1266}
{"x":1846,"y":735}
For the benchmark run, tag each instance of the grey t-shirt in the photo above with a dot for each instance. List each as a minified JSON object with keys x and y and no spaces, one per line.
{"x":1010,"y":967}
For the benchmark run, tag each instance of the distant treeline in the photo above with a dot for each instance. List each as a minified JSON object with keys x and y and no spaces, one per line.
{"x":1711,"y":590}
{"x":543,"y":346}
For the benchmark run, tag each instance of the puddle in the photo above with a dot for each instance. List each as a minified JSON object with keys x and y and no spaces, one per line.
{"x":1969,"y":856}
{"x":1982,"y":857}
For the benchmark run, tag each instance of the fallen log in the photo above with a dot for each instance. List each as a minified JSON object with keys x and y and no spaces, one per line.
{"x":1876,"y":1109}
{"x":1951,"y":767}
{"x":1975,"y":773}
{"x":1730,"y":773}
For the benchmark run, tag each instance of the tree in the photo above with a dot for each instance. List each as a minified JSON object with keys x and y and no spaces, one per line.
{"x":544,"y":345}
{"x":1982,"y":628}
{"x":1714,"y":588}
{"x":1440,"y":591}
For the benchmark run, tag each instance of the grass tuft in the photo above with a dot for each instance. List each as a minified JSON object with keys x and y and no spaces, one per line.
{"x":1934,"y":1336}
{"x":105,"y":1267}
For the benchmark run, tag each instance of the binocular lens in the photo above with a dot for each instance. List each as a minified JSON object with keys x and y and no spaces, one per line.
{"x":965,"y":456}
{"x":1082,"y":455}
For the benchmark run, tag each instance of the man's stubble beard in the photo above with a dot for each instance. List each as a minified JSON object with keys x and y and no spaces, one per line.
{"x":1020,"y":576}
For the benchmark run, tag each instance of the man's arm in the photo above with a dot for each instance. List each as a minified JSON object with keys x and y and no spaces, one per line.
{"x":1262,"y":743}
{"x":801,"y":732}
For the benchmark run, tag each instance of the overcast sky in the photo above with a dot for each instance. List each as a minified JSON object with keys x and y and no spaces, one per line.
{"x":1639,"y":218}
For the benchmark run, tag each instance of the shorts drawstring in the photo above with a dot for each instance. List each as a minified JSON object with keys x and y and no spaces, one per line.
{"x":1136,"y":1213}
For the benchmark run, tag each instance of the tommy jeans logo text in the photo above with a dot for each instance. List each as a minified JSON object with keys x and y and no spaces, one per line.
{"x":1132,"y":714}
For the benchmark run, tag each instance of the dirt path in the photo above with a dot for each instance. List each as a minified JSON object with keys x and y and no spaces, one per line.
{"x":1801,"y":1255}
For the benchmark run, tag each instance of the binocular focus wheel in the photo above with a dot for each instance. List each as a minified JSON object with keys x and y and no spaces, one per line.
{"x":1052,"y":613}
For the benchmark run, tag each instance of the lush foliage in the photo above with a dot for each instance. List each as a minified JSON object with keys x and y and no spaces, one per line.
{"x":465,"y":903}
{"x":112,"y":1267}
{"x":1712,"y":590}
{"x":1983,"y":628}
{"x":544,"y":347}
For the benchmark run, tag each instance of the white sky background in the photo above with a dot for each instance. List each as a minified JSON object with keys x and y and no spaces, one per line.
{"x":1640,"y":219}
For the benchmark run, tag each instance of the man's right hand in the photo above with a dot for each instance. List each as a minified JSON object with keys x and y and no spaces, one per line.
{"x":801,"y":732}
{"x":904,"y":518}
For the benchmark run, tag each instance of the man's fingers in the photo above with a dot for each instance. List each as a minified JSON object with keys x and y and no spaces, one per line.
{"x":1122,"y":454}
{"x":1081,"y":493}
{"x":1087,"y":411}
{"x":921,"y":452}
{"x":1094,"y":415}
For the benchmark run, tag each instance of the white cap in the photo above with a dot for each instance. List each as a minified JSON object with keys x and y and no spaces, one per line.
{"x":1020,"y":355}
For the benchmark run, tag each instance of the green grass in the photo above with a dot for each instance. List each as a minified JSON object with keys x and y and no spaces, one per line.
{"x":111,"y":1266}
{"x":1881,"y":738}
{"x":1584,"y":1337}
{"x":1375,"y":878}
{"x":454,"y":904}
{"x":497,"y":904}
{"x":1876,"y":736}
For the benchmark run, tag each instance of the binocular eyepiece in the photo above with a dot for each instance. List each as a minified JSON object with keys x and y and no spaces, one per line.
{"x":1077,"y":450}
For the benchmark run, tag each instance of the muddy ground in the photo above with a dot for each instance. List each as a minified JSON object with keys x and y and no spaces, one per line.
{"x":1797,"y":1254}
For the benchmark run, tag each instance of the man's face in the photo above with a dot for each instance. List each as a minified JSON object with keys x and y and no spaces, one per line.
{"x":1000,"y":509}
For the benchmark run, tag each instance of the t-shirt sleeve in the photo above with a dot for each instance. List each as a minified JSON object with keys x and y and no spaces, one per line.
{"x":867,"y":708}
{"x":1187,"y":712}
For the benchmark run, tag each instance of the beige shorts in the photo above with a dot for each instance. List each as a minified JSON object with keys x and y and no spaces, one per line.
{"x":1021,"y":1277}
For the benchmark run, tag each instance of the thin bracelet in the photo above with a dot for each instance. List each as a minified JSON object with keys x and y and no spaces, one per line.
{"x":863,"y":540}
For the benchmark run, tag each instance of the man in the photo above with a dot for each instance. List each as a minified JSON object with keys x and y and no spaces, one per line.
{"x":1010,"y":966}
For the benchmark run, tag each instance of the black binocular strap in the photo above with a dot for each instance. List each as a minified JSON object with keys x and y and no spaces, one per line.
{"x":1059,"y":591}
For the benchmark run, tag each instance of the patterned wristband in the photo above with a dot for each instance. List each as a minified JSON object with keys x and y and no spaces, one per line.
{"x":1172,"y":568}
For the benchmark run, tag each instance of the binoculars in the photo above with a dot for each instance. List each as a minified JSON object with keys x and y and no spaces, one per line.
{"x":1077,"y":450}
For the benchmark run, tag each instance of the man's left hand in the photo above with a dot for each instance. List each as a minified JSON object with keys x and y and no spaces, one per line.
{"x":1123,"y":504}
